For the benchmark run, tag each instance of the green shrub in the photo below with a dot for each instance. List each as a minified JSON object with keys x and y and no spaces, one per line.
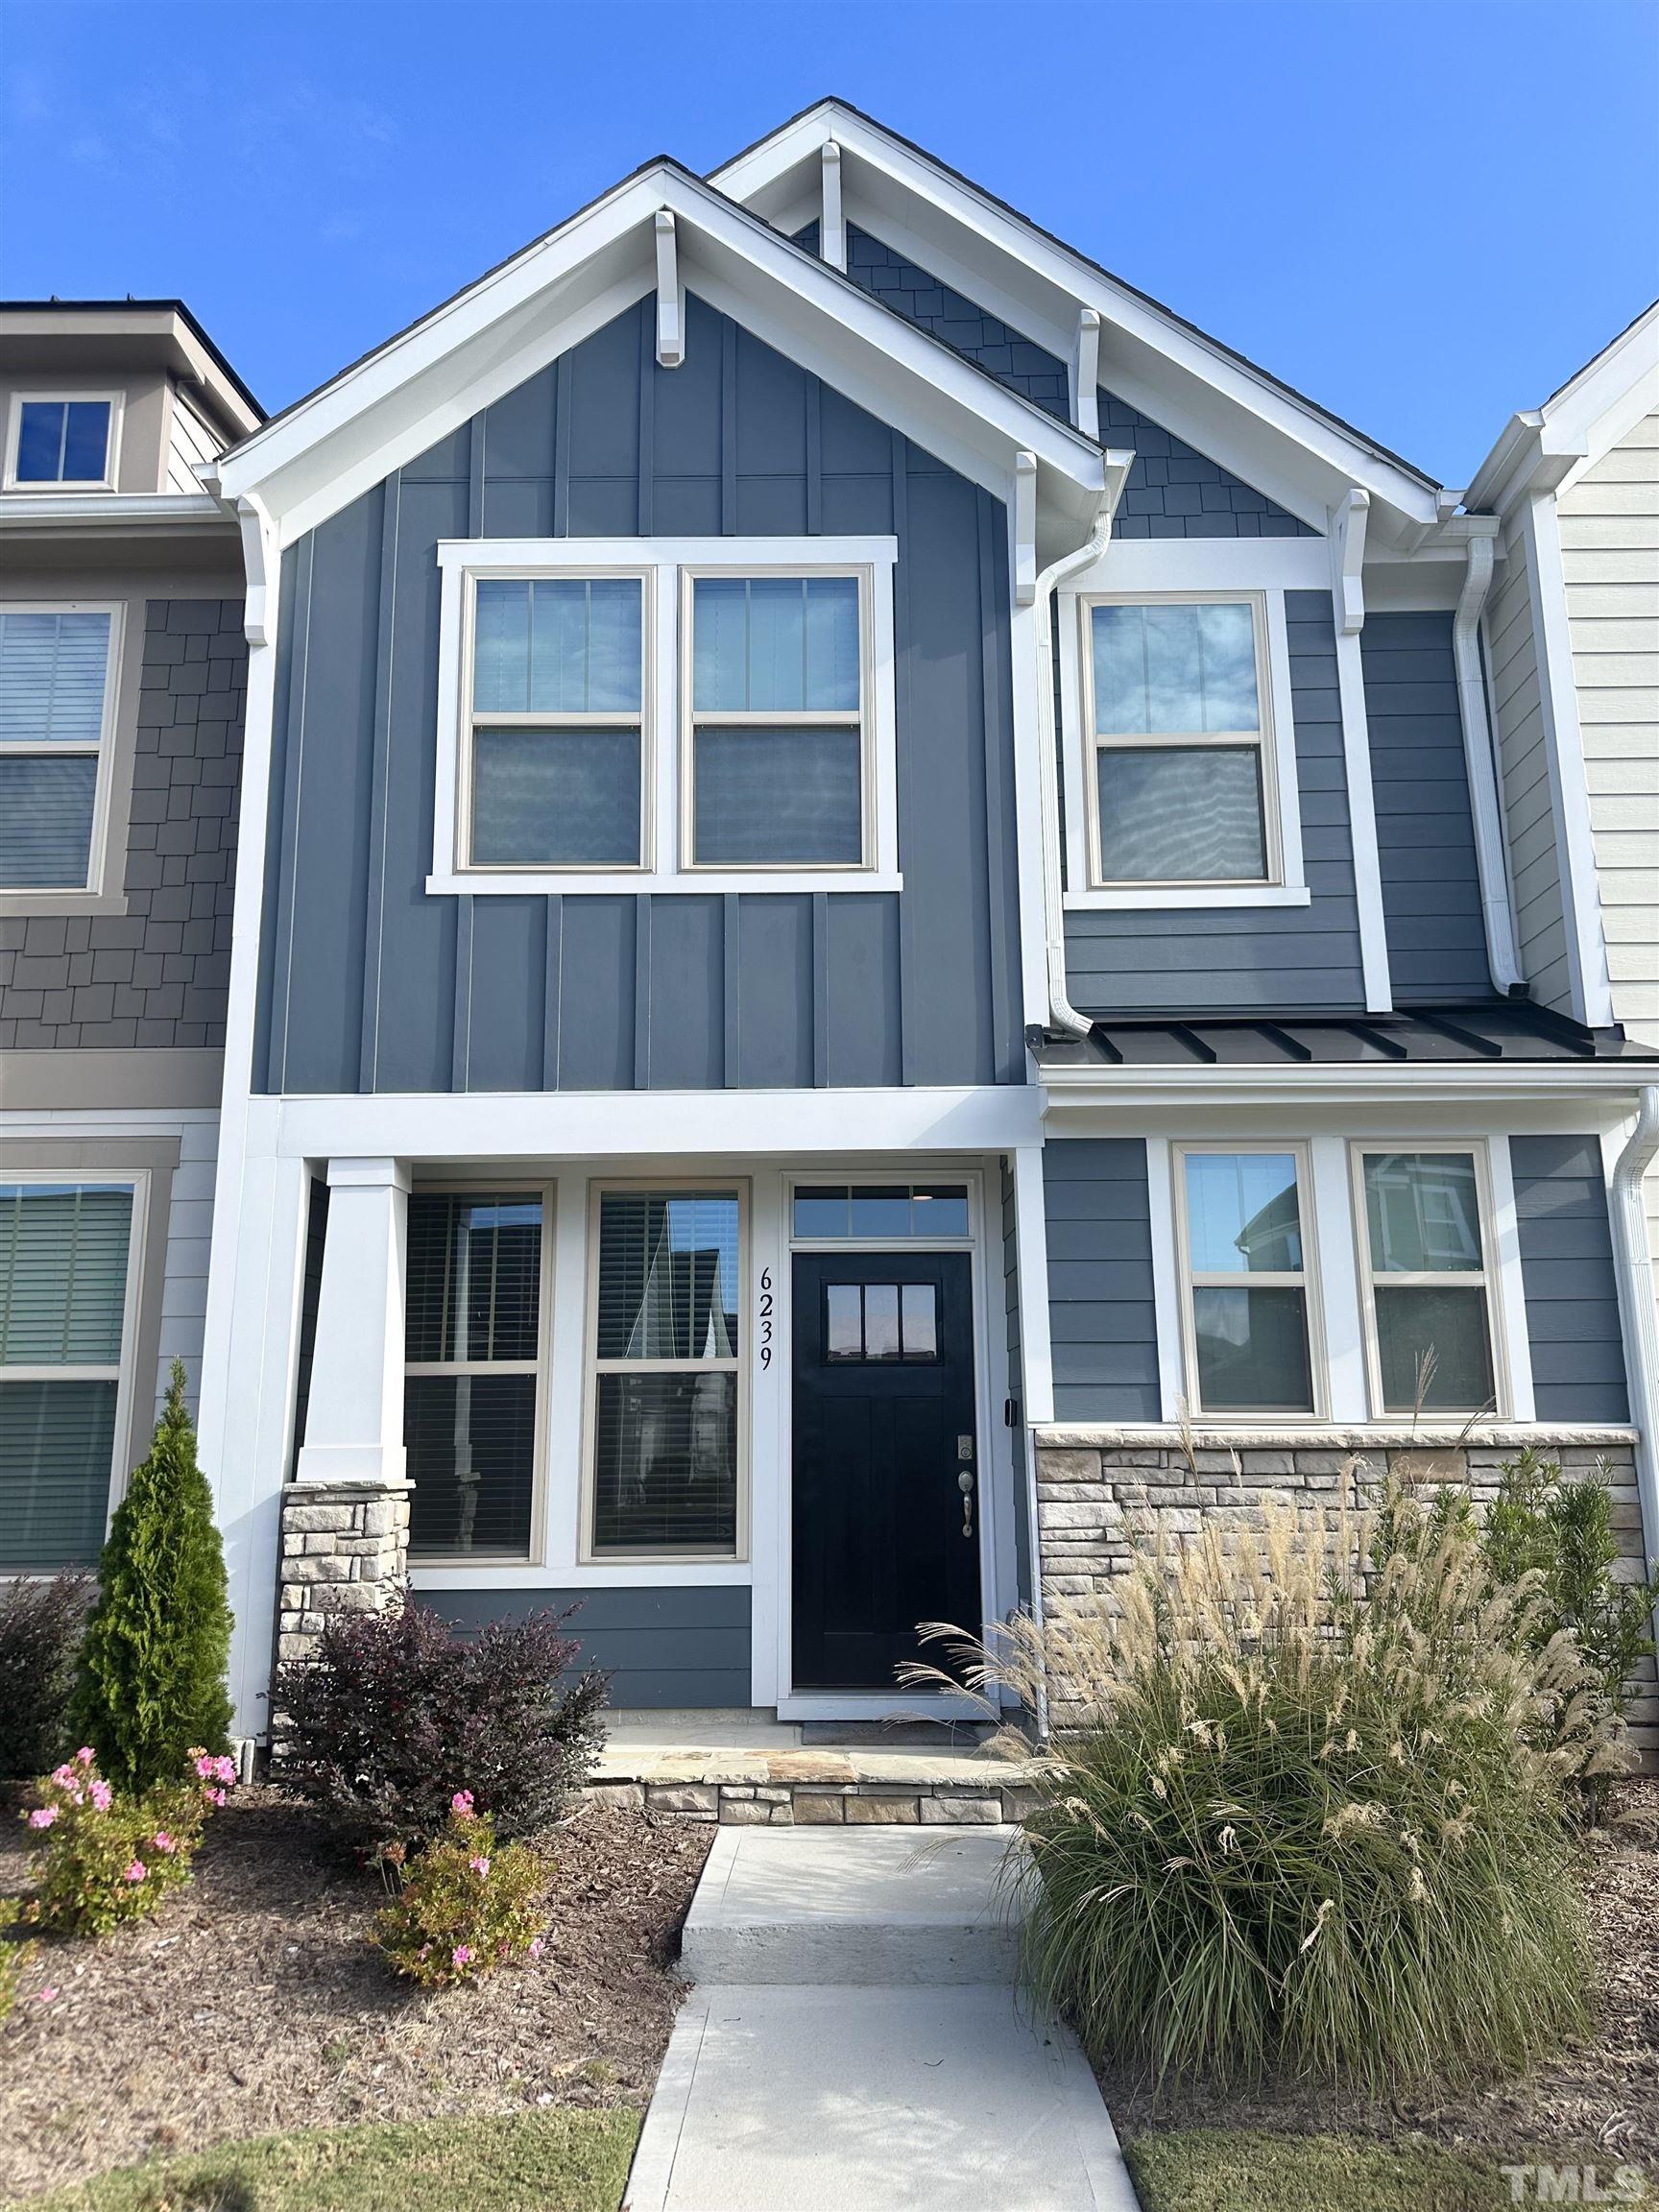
{"x":1290,"y":1825}
{"x":15,"y":1959}
{"x":102,"y":1857}
{"x":152,"y":1676}
{"x":41,"y":1625}
{"x":468,"y":1905}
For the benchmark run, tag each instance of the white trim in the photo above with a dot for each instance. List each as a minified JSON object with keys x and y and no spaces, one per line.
{"x":1189,"y":1281}
{"x":58,"y":897}
{"x":832,"y":225}
{"x":1031,"y":1260}
{"x":43,"y":487}
{"x":1419,"y":1082}
{"x":1167,"y":1272}
{"x":92,"y":511}
{"x":1502,"y":958}
{"x":1134,"y":568}
{"x":1633,"y":1266}
{"x":1362,"y":826}
{"x":1275,"y":742}
{"x":670,"y":295}
{"x":666,"y":563}
{"x":1085,"y":369}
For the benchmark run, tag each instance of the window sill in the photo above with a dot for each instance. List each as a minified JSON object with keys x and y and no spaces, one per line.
{"x":542,"y":883}
{"x":653,"y":1573}
{"x":1179,"y":897}
{"x":16,"y":906}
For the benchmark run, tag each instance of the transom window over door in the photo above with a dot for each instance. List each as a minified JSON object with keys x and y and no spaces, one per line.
{"x":64,"y":1260}
{"x":57,"y":672}
{"x":1424,"y":1249}
{"x":666,"y":1352}
{"x":1245,"y":1286}
{"x":778,"y":769}
{"x":1181,"y":786}
{"x":558,"y":732}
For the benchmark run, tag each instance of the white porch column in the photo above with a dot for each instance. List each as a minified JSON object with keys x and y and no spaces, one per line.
{"x":355,"y":1412}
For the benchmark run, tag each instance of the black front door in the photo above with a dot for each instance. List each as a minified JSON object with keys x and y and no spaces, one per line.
{"x":884,"y":1429}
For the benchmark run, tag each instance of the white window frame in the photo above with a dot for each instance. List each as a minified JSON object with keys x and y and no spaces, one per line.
{"x":1306,"y":1280}
{"x":1488,"y":1278}
{"x":667,"y":865}
{"x":1284,"y":883}
{"x":115,"y":401}
{"x":39,"y":898}
{"x":690,"y":1185}
{"x":505,"y":1184}
{"x":121,"y":1373}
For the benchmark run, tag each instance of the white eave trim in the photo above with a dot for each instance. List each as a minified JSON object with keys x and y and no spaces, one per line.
{"x":111,"y":510}
{"x":1376,"y":1081}
{"x":1539,"y":449}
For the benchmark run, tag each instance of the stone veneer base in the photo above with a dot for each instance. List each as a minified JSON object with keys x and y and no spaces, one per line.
{"x":345,"y":1549}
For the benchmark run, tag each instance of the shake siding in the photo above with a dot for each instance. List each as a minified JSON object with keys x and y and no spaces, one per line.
{"x":1512,"y":680}
{"x":1610,"y":560}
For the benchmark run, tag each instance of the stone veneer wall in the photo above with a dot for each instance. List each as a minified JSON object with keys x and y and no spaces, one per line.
{"x":1096,"y":1488}
{"x":345,"y":1549}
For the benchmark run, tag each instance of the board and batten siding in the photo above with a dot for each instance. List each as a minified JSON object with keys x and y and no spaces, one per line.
{"x":687,"y":1647}
{"x":368,"y":983}
{"x":1567,"y":1276}
{"x":1102,"y":1312}
{"x":1244,"y":959}
{"x":1610,"y":562}
{"x":1512,"y":655}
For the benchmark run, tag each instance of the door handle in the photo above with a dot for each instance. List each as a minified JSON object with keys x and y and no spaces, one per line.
{"x":965,"y":1483}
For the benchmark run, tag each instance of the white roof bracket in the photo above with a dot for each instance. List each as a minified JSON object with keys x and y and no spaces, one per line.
{"x":670,"y":300}
{"x":831,"y":229}
{"x":1024,"y":528}
{"x":1348,"y":561}
{"x":1086,"y":373}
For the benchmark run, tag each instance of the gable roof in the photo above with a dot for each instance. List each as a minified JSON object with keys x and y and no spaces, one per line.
{"x":324,"y":449}
{"x":1045,"y":281}
{"x":1541,"y":447}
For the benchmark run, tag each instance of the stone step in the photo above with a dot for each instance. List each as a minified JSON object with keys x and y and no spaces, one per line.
{"x":855,"y":1906}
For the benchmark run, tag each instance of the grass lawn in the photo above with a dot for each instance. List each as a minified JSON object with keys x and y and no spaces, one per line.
{"x":570,"y":2161}
{"x":1238,"y":2170}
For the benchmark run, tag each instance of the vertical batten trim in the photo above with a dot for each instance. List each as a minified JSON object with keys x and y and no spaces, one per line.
{"x":560,"y":450}
{"x":730,"y":1005}
{"x":727,"y":427}
{"x":644,"y":473}
{"x":553,"y":992}
{"x":288,"y":846}
{"x":907,"y":1053}
{"x":475,"y":475}
{"x":643,"y":917}
{"x":374,"y":901}
{"x":461,"y":1045}
{"x":996,"y":888}
{"x":1362,"y":824}
{"x":819,"y":989}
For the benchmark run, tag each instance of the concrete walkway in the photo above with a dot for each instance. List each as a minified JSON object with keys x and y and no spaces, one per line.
{"x":854,"y":2043}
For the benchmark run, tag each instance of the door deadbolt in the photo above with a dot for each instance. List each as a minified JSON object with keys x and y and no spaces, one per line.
{"x":964,"y":1447}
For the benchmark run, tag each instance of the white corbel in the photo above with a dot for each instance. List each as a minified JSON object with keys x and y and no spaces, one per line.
{"x":1086,"y":373}
{"x":670,"y":302}
{"x":1348,"y":561}
{"x":1024,"y":528}
{"x":831,"y":229}
{"x":259,"y":567}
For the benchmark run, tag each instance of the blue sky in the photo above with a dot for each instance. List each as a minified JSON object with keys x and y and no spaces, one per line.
{"x":1417,"y":214}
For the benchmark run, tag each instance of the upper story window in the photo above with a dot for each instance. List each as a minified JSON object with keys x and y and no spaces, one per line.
{"x":667,"y":716}
{"x":57,"y":709}
{"x":1181,"y":784}
{"x":777,"y":767}
{"x":62,"y":442}
{"x":1424,"y":1236}
{"x":557,"y":728}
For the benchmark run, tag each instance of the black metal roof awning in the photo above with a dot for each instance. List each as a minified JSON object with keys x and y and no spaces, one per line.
{"x":1510,"y":1033}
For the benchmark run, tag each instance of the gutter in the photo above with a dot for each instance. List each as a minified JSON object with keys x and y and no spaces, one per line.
{"x":109,"y":510}
{"x":1633,"y":1267}
{"x":1502,"y":956}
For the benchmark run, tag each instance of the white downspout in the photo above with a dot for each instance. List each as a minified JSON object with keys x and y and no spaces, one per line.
{"x":1502,"y":956}
{"x":1633,"y":1267}
{"x":1061,"y":1014}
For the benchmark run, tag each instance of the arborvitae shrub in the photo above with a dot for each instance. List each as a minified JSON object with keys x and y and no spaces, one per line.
{"x":151,"y":1678}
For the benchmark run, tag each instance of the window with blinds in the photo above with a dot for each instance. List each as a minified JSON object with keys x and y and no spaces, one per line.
{"x":64,"y":1257}
{"x":55,"y":683}
{"x":667,"y":1360}
{"x":472,"y":1370}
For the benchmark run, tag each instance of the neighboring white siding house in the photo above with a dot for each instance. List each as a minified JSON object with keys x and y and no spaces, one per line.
{"x":1523,"y":770}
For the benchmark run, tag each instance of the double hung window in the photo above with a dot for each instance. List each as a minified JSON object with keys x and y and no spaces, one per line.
{"x":56,"y":687}
{"x":1424,"y":1251}
{"x":65,"y":1257}
{"x":666,"y":1351}
{"x":472,"y":1366}
{"x":1244,"y":1241}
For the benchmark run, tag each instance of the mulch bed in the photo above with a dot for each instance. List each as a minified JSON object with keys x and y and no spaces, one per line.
{"x":253,"y":2002}
{"x":1599,"y":2098}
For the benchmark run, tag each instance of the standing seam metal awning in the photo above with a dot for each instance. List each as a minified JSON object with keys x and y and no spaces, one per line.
{"x":1486,"y":1034}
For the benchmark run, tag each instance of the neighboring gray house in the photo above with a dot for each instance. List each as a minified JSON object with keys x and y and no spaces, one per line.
{"x":122,"y":673}
{"x":874,"y":928}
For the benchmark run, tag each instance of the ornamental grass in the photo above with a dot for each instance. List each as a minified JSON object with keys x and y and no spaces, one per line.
{"x":1303,"y":1819}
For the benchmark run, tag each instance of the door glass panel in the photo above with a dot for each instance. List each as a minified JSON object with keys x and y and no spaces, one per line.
{"x":920,"y":1321}
{"x":844,"y":1334}
{"x":881,"y":1321}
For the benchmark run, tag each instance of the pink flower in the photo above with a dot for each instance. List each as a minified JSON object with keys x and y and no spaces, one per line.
{"x":460,"y":1804}
{"x":44,"y":1817}
{"x":479,"y":1867}
{"x":225,"y":1769}
{"x":537,"y":1946}
{"x":65,"y":1777}
{"x":84,"y":1754}
{"x":102,"y":1794}
{"x":204,"y":1766}
{"x":163,"y":1841}
{"x":136,"y":1871}
{"x":45,"y":1996}
{"x":461,"y":1955}
{"x":214,"y":1796}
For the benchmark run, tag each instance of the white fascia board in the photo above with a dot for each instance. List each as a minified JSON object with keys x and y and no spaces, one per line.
{"x":110,"y":511}
{"x":1401,"y":1084}
{"x":1540,"y":448}
{"x":463,"y":357}
{"x":643,"y":1124}
{"x":761,"y":176}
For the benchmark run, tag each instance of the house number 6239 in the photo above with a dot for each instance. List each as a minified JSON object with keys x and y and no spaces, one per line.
{"x":765,"y":1317}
